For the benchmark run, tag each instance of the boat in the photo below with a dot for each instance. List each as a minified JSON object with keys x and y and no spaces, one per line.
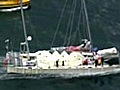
{"x":13,"y":5}
{"x":73,"y":61}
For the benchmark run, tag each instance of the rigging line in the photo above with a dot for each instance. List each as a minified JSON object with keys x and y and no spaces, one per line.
{"x":24,"y":28}
{"x":33,"y":31}
{"x":73,"y":35}
{"x":84,"y":26}
{"x":78,"y":26}
{"x":85,"y":29}
{"x":68,"y":25}
{"x":80,"y":19}
{"x":59,"y":23}
{"x":72,"y":23}
{"x":88,"y":27}
{"x":79,"y":23}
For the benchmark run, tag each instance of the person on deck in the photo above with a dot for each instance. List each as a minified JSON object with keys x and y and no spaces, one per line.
{"x":98,"y":60}
{"x":57,"y":63}
{"x":102,"y":60}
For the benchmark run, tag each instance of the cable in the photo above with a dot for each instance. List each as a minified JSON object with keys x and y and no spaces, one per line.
{"x":68,"y":25}
{"x":78,"y":26}
{"x":71,"y":27}
{"x":88,"y":27}
{"x":59,"y":23}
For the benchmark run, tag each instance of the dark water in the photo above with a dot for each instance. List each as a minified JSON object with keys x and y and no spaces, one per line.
{"x":41,"y":21}
{"x":93,"y":83}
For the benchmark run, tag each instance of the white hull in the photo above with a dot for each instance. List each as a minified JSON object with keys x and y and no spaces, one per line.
{"x":73,"y":72}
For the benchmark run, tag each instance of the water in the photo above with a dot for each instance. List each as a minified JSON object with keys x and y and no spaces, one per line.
{"x":41,"y":21}
{"x":96,"y":83}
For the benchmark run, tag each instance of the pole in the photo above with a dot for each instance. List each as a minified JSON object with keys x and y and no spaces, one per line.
{"x":24,"y":28}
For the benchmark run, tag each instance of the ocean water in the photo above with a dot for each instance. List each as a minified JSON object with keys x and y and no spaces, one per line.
{"x":88,"y":83}
{"x":41,"y":21}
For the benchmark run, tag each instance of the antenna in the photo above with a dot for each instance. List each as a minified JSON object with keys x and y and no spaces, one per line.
{"x":24,"y":28}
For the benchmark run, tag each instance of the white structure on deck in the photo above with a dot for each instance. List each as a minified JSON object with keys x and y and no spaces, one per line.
{"x":45,"y":59}
{"x":28,"y":62}
{"x":75,"y":59}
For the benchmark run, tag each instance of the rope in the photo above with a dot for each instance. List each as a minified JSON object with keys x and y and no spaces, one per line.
{"x":59,"y":23}
{"x":88,"y":27}
{"x":75,"y":2}
{"x":83,"y":16}
{"x":84,"y":26}
{"x":68,"y":25}
{"x":78,"y":26}
{"x":32,"y":27}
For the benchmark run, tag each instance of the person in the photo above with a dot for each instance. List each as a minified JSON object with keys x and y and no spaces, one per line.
{"x":96,"y":62}
{"x":85,"y":62}
{"x":97,"y":59}
{"x":57,"y":65}
{"x":63,"y":63}
{"x":102,"y":60}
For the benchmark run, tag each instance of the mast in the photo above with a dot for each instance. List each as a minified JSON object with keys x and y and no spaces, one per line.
{"x":87,"y":21}
{"x":24,"y":28}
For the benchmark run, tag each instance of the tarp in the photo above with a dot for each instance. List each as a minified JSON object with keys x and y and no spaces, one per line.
{"x":73,"y":48}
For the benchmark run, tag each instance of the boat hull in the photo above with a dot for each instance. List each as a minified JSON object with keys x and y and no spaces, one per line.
{"x":72,"y":72}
